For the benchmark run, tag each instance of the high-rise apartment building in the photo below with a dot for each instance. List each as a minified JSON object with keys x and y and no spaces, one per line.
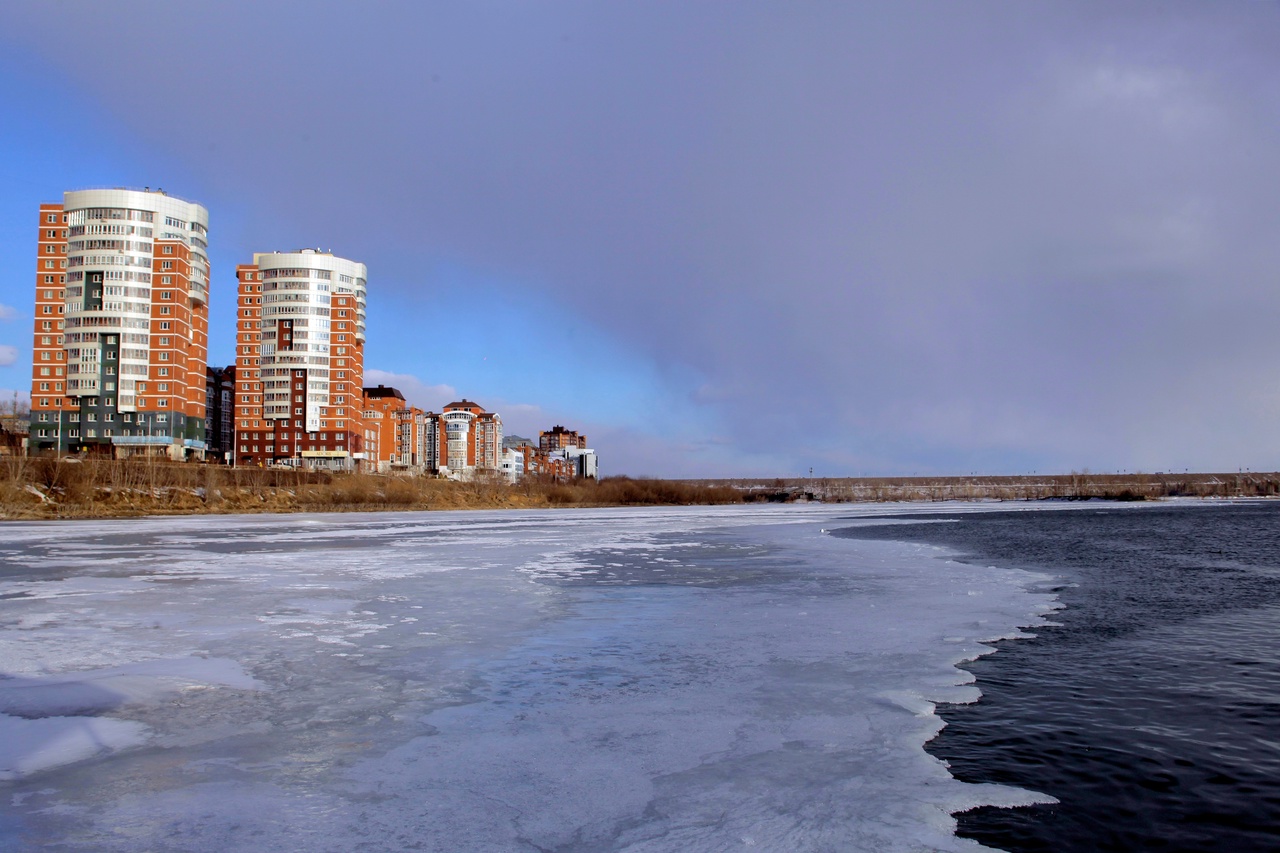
{"x":121,"y":330}
{"x":300,"y":330}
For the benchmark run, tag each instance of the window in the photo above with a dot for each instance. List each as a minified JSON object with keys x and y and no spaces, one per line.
{"x":166,"y":294}
{"x":51,"y":217}
{"x":166,"y":279}
{"x":166,"y":265}
{"x":165,"y":309}
{"x":48,"y":264}
{"x":168,"y":250}
{"x":164,"y":325}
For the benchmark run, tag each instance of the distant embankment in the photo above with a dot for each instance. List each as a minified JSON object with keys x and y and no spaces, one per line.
{"x":102,"y":488}
{"x":1122,"y":487}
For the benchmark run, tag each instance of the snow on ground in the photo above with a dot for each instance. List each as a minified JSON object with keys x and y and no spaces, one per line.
{"x":629,"y":679}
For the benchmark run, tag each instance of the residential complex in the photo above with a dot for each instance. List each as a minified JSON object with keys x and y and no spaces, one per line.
{"x":121,"y":324}
{"x":121,"y":342}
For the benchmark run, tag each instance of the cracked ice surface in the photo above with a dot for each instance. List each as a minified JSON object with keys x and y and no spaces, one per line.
{"x":642,"y":680}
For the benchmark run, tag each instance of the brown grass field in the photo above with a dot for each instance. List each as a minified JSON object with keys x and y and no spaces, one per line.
{"x":47,"y":488}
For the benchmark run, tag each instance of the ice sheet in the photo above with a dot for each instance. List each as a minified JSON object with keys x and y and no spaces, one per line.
{"x":640,"y":680}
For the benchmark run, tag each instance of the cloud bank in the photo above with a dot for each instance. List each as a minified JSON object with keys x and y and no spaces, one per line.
{"x":918,"y":238}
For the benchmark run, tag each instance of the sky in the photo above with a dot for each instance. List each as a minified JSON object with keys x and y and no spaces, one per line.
{"x":746,"y":239}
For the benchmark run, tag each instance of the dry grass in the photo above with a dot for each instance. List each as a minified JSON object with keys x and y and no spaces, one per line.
{"x":101,"y":488}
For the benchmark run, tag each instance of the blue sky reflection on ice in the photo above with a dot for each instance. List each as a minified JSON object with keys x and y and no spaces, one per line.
{"x":651,"y":680}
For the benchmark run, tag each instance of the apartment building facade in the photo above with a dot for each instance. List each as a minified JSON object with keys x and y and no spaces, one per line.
{"x":395,"y":432}
{"x":466,"y":438}
{"x":121,"y":330}
{"x":220,"y":396}
{"x":300,"y":339}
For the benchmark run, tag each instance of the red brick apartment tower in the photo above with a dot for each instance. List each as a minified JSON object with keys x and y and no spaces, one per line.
{"x":49,"y":363}
{"x":122,"y":325}
{"x":300,"y":331}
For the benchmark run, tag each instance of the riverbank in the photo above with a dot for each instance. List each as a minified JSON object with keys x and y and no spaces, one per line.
{"x":1029,"y":487}
{"x":47,"y":488}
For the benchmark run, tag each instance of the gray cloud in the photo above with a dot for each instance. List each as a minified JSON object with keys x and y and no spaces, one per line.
{"x":924,"y":237}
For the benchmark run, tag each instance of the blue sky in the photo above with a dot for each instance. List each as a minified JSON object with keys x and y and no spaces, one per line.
{"x":721,"y":240}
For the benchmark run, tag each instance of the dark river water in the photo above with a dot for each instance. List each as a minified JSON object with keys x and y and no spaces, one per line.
{"x":1152,"y":712}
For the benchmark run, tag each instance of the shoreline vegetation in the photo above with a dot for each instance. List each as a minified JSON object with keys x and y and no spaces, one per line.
{"x":49,"y":488}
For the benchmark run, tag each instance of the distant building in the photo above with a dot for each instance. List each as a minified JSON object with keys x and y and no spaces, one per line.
{"x":121,"y":330}
{"x":219,"y":423}
{"x":558,"y":438}
{"x":568,"y":459}
{"x":300,"y":361}
{"x":563,"y":455}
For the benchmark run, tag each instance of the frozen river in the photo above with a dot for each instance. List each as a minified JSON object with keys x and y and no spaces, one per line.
{"x":687,"y":679}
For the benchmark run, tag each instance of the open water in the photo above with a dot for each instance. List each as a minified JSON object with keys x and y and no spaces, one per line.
{"x":1152,"y":711}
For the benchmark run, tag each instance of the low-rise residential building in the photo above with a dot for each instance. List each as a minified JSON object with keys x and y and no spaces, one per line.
{"x":395,"y":432}
{"x":511,"y":464}
{"x":468,"y":440}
